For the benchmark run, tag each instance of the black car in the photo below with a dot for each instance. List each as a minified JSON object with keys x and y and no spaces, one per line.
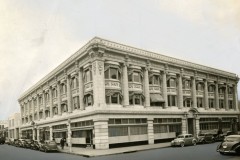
{"x":231,"y":144}
{"x":27,"y":143}
{"x":206,"y":138}
{"x":35,"y":145}
{"x":2,"y":140}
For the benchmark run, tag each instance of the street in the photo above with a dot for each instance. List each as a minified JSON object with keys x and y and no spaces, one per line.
{"x":199,"y":152}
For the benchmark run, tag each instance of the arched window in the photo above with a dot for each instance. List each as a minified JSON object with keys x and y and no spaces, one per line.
{"x":200,"y":87}
{"x":211,"y":88}
{"x":186,"y":84}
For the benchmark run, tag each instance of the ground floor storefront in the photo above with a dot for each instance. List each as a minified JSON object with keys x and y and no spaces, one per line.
{"x":118,"y":129}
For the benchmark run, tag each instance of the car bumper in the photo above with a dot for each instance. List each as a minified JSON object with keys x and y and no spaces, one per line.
{"x":225,"y":151}
{"x":175,"y":143}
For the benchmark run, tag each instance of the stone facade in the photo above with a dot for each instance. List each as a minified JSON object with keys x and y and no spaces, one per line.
{"x":14,"y":122}
{"x":108,"y":94}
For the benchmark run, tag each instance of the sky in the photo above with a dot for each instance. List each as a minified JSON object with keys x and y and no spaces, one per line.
{"x":36,"y":36}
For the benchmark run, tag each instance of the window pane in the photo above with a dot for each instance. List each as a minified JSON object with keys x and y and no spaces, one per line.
{"x":156,"y":79}
{"x":151,"y":80}
{"x":114,"y":98}
{"x":137,"y":99}
{"x":113,"y":73}
{"x":108,"y":99}
{"x":136,"y":77}
{"x":130,"y":78}
{"x":106,"y":74}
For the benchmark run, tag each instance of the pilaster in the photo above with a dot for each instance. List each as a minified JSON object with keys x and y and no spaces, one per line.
{"x":216,"y":96}
{"x":44,"y":105}
{"x":184,"y":125}
{"x":81,"y":89}
{"x":150,"y":131}
{"x":33,"y":110}
{"x":101,"y":133}
{"x":206,"y":94}
{"x":164,"y":86}
{"x":235,"y":98}
{"x":226,"y":98}
{"x":51,"y":133}
{"x":180,"y":91}
{"x":51,"y":102}
{"x":38,"y":107}
{"x":146,"y":88}
{"x":59,"y":99}
{"x":194,"y":97}
{"x":98,"y":78}
{"x":125,"y":85}
{"x":33,"y":136}
{"x":69,"y":95}
{"x":38,"y":134}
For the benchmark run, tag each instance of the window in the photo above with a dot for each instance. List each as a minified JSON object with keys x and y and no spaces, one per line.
{"x":112,"y":73}
{"x":230,"y":90}
{"x":160,"y":128}
{"x":74,"y":83}
{"x":138,"y":130}
{"x":221,"y":103}
{"x":211,"y":88}
{"x":115,"y":131}
{"x":200,"y":87}
{"x":154,"y":80}
{"x":171,"y":100}
{"x":199,"y":102}
{"x":64,"y":108}
{"x":211,"y":103}
{"x":88,"y":76}
{"x":186,"y":84}
{"x":171,"y":82}
{"x":76,"y":102}
{"x":136,"y":99}
{"x":88,"y":100}
{"x":135,"y":77}
{"x":63,"y":88}
{"x":187,"y":102}
{"x":113,"y":99}
{"x":230,"y":104}
{"x":221,"y":90}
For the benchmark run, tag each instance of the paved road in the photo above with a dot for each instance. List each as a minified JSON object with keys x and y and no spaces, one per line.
{"x":199,"y":152}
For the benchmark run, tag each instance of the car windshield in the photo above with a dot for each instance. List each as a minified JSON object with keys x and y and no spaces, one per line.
{"x":232,"y":139}
{"x":181,"y":136}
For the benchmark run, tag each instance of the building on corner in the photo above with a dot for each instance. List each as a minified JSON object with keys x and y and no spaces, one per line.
{"x":109,"y":94}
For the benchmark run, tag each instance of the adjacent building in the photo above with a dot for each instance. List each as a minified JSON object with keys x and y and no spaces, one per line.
{"x":14,"y":123}
{"x":109,"y":94}
{"x":3,"y":128}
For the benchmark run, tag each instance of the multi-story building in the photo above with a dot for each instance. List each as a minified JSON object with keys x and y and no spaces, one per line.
{"x":109,"y":94}
{"x":14,"y":122}
{"x":3,"y":128}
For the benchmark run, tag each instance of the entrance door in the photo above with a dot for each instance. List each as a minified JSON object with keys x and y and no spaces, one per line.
{"x":89,"y":137}
{"x":190,"y":126}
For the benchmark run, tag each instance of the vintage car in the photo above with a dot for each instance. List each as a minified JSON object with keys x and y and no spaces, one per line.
{"x":36,"y":145}
{"x":231,"y":144}
{"x":48,"y":146}
{"x":183,"y":140}
{"x":206,"y":138}
{"x":2,"y":140}
{"x":27,"y":143}
{"x":20,"y":143}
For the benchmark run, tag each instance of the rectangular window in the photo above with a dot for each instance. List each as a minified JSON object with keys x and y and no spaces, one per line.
{"x":210,"y":89}
{"x":221,"y":103}
{"x":113,"y":73}
{"x":115,"y":131}
{"x":211,"y":103}
{"x":200,"y":102}
{"x":171,"y":100}
{"x":186,"y":84}
{"x":136,"y":77}
{"x":230,"y":104}
{"x":160,"y":128}
{"x":138,"y":130}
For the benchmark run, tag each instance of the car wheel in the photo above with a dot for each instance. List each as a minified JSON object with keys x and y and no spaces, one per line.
{"x":182,"y":144}
{"x":222,"y":153}
{"x":194,"y":143}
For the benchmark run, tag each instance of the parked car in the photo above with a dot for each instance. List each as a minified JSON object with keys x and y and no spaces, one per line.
{"x":231,"y":144}
{"x":206,"y":138}
{"x":27,"y":143}
{"x":2,"y":140}
{"x":49,"y":146}
{"x":35,"y":145}
{"x":7,"y":141}
{"x":20,"y":143}
{"x":183,"y":140}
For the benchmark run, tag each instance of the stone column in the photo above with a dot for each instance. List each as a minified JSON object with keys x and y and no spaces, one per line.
{"x":184,"y":125}
{"x":180,"y":92}
{"x":81,"y":89}
{"x":69,"y":95}
{"x":50,"y":102}
{"x":33,"y":110}
{"x":59,"y":99}
{"x":33,"y":136}
{"x":38,"y":107}
{"x":235,"y":98}
{"x":206,"y":94}
{"x":146,"y":88}
{"x":44,"y":105}
{"x":51,"y":133}
{"x":150,"y":131}
{"x":216,"y":96}
{"x":38,"y":134}
{"x":226,"y":98}
{"x":69,"y":139}
{"x":164,"y":86}
{"x":101,"y":133}
{"x":98,"y":79}
{"x":28,"y":111}
{"x":197,"y":125}
{"x":125,"y":85}
{"x":194,"y":97}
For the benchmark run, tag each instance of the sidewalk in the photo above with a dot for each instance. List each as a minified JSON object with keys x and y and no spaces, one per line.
{"x":89,"y":152}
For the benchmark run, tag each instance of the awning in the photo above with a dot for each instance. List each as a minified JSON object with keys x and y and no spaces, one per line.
{"x":156,"y":98}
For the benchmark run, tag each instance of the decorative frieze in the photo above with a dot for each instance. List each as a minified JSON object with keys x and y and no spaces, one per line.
{"x":112,"y":84}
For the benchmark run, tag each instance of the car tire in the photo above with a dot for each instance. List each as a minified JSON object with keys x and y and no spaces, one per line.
{"x":194,"y":143}
{"x":182,"y":144}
